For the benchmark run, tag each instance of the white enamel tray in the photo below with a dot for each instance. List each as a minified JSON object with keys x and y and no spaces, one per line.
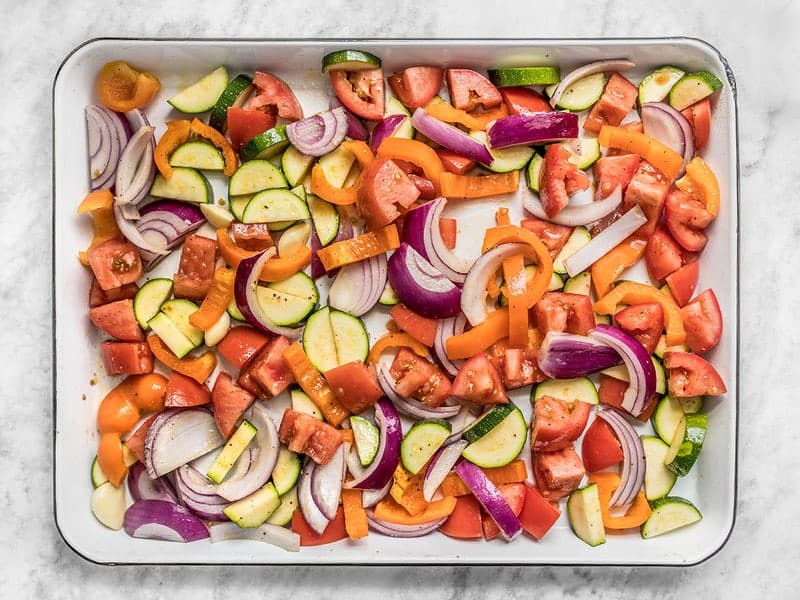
{"x":80,"y":384}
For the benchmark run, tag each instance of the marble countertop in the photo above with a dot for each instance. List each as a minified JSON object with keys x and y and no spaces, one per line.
{"x":760,"y":44}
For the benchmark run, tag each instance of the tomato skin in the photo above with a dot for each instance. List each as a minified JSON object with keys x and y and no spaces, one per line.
{"x":553,"y":236}
{"x":523,"y":100}
{"x":537,"y":515}
{"x":361,"y":92}
{"x":127,"y":358}
{"x":562,"y":311}
{"x":469,"y":89}
{"x":479,"y":381}
{"x":240,"y":344}
{"x":268,"y":370}
{"x":418,"y":378}
{"x":683,"y":282}
{"x":455,"y":163}
{"x":556,"y":423}
{"x":691,"y":375}
{"x":117,"y":320}
{"x":185,"y":391}
{"x":355,"y":385}
{"x":384,"y":185}
{"x":702,"y":319}
{"x":115,"y":263}
{"x":520,"y":368}
{"x":196,"y":268}
{"x":464,"y":522}
{"x":662,"y":255}
{"x":686,"y":218}
{"x":334,"y":532}
{"x":559,"y":179}
{"x":230,"y":401}
{"x":600,"y":447}
{"x":427,"y":191}
{"x":514,"y":495}
{"x":645,"y":322}
{"x":244,"y":125}
{"x":416,"y":86}
{"x":274,"y":96}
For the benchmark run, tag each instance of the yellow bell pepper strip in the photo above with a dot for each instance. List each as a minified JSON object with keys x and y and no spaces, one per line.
{"x":320,"y":186}
{"x":216,"y":301}
{"x":502,"y":234}
{"x":608,"y":268}
{"x":657,"y":154}
{"x":395,"y":339}
{"x":517,"y":295}
{"x":360,"y":150}
{"x":355,"y":517}
{"x":480,"y":337}
{"x":513,"y":472}
{"x":479,"y":186}
{"x":390,"y":511}
{"x":215,"y":137}
{"x":198,"y":368}
{"x":638,"y":512}
{"x":407,"y":490}
{"x":230,"y":252}
{"x":361,"y":247}
{"x":415,"y":152}
{"x":701,"y":183}
{"x":314,"y":385}
{"x":177,"y":133}
{"x":280,"y":268}
{"x":632,"y":292}
{"x":100,"y":205}
{"x":439,"y":109}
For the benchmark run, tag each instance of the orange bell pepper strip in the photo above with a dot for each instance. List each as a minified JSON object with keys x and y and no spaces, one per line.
{"x":448,"y":113}
{"x":608,"y":268}
{"x":701,"y":183}
{"x":657,"y":154}
{"x":632,"y":292}
{"x":111,"y":459}
{"x":177,"y":133}
{"x":366,"y":245}
{"x":120,"y":87}
{"x":355,"y":517}
{"x":416,"y":152}
{"x":230,"y":252}
{"x":513,"y":472}
{"x":320,"y":186}
{"x":479,"y":186}
{"x":390,"y":511}
{"x":216,"y":301}
{"x":280,"y":268}
{"x":100,"y":205}
{"x":407,"y":490}
{"x":501,"y":216}
{"x":360,"y":150}
{"x":637,"y":513}
{"x":480,"y":337}
{"x":198,"y":368}
{"x":314,"y":385}
{"x":395,"y":339}
{"x":215,"y":137}
{"x":517,"y":295}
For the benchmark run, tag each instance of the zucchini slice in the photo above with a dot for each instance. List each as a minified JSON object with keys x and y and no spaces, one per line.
{"x":349,"y":60}
{"x":186,"y":184}
{"x":657,"y":84}
{"x":585,"y":515}
{"x":253,"y":510}
{"x":513,"y":76}
{"x":670,"y":513}
{"x":203,"y":94}
{"x":502,"y":444}
{"x":421,"y":442}
{"x":234,"y":94}
{"x":569,"y":390}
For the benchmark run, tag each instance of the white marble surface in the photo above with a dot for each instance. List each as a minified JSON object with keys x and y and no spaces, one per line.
{"x":761,"y":46}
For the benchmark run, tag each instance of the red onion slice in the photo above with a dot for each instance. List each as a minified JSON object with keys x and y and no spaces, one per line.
{"x":128,"y":229}
{"x":453,"y":266}
{"x":385,"y":128}
{"x":326,"y":483}
{"x":197,"y":493}
{"x":574,"y":216}
{"x":568,"y":355}
{"x":529,"y":129}
{"x":357,"y":287}
{"x":311,"y":512}
{"x":320,"y":133}
{"x":402,"y":531}
{"x":355,"y":128}
{"x":601,"y":66}
{"x":605,"y":241}
{"x":445,"y":329}
{"x":641,"y":372}
{"x":473,"y":294}
{"x":440,"y":465}
{"x":174,"y":220}
{"x":178,"y":436}
{"x":370,"y":498}
{"x":136,"y":169}
{"x":420,"y":286}
{"x":163,"y":520}
{"x":670,"y":127}
{"x":105,"y":146}
{"x":633,"y":464}
{"x":490,"y":498}
{"x":266,"y":533}
{"x":245,"y":286}
{"x":382,"y":468}
{"x":141,"y":487}
{"x":410,"y":406}
{"x":450,"y":137}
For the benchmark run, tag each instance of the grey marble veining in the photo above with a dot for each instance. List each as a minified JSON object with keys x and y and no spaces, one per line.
{"x":762,"y":47}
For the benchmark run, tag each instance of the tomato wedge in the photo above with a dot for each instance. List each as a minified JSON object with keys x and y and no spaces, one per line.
{"x":361,"y":92}
{"x":274,"y":96}
{"x":479,"y":381}
{"x":469,"y":89}
{"x":538,"y":515}
{"x":416,"y":86}
{"x":662,"y":255}
{"x":115,"y":263}
{"x":523,"y":100}
{"x":686,"y":218}
{"x":644,"y":322}
{"x":384,"y":186}
{"x":243,"y":125}
{"x":683,"y":282}
{"x":702,"y":319}
{"x":600,"y":447}
{"x":562,"y":311}
{"x":692,"y":375}
{"x":557,"y":423}
{"x":559,"y":179}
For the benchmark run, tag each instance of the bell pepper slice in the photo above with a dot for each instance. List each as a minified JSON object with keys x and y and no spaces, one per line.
{"x":198,"y":368}
{"x":320,"y":186}
{"x":220,"y":141}
{"x":216,"y":301}
{"x":366,"y":245}
{"x":111,"y":458}
{"x":513,"y":472}
{"x":176,"y":134}
{"x":608,"y":268}
{"x":448,"y":113}
{"x":355,"y":517}
{"x":517,"y":294}
{"x":701,"y":183}
{"x":480,"y":337}
{"x":314,"y":384}
{"x":395,"y":339}
{"x":638,"y":512}
{"x":283,"y":267}
{"x":479,"y":186}
{"x":501,"y":216}
{"x":100,"y":206}
{"x":230,"y":251}
{"x":122,"y":88}
{"x":657,"y":154}
{"x":360,"y":150}
{"x":415,"y":152}
{"x":632,"y":292}
{"x":390,"y":511}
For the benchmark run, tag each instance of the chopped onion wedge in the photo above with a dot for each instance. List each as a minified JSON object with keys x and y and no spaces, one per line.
{"x":420,"y":286}
{"x":605,"y":241}
{"x":177,"y":436}
{"x":568,"y":355}
{"x":578,"y":214}
{"x":490,"y":498}
{"x":402,"y":531}
{"x":319,"y":134}
{"x":311,"y":512}
{"x":633,"y":463}
{"x":136,"y":169}
{"x":441,"y":464}
{"x":600,"y":66}
{"x":269,"y":534}
{"x":163,"y":520}
{"x":450,"y":137}
{"x":473,"y":294}
{"x":142,"y":487}
{"x":536,"y":128}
